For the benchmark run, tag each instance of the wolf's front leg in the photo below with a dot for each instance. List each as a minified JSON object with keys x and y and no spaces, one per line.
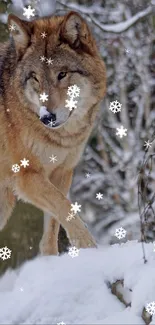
{"x":7,"y":204}
{"x":49,"y":243}
{"x":37,"y":189}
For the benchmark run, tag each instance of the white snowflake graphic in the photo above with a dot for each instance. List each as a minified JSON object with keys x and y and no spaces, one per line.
{"x":49,"y":61}
{"x":73,"y":251}
{"x":71,"y":215}
{"x":121,"y":131}
{"x":53,"y":159}
{"x":147,"y":144}
{"x":42,"y":58}
{"x":43,"y":35}
{"x":5,"y":253}
{"x":99,"y":196}
{"x":120,"y":233}
{"x":73,"y":91}
{"x":15,"y":168}
{"x":43,"y":97}
{"x":21,"y":289}
{"x":61,"y":323}
{"x":28,"y":12}
{"x":51,"y":123}
{"x":71,"y":103}
{"x":87,"y":175}
{"x":75,"y":207}
{"x":12,"y":27}
{"x":150,"y":308}
{"x":115,"y":106}
{"x":24,"y":163}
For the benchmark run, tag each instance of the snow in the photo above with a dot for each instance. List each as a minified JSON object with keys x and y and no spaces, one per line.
{"x":52,"y":289}
{"x":125,"y":25}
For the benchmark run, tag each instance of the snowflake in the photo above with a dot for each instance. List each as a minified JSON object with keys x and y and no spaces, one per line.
{"x":12,"y":27}
{"x":24,"y":163}
{"x":51,"y":123}
{"x":147,"y":144}
{"x":99,"y":196}
{"x":70,"y":103}
{"x":43,"y":35}
{"x":87,"y":175}
{"x":28,"y":12}
{"x":43,"y":97}
{"x":42,"y":58}
{"x":61,"y":323}
{"x":5,"y":253}
{"x":15,"y":168}
{"x":73,"y":251}
{"x":49,"y":61}
{"x":70,"y":216}
{"x":21,"y":289}
{"x":73,"y":91}
{"x":121,"y":131}
{"x":75,"y":207}
{"x":115,"y":106}
{"x":53,"y":159}
{"x":120,"y":233}
{"x":150,"y":308}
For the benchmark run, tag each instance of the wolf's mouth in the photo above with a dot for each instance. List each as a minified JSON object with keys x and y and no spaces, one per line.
{"x":49,"y":119}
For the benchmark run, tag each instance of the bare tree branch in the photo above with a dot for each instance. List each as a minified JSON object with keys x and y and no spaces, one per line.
{"x":112,"y":28}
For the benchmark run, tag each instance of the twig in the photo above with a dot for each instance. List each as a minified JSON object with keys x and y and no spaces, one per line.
{"x":112,"y":28}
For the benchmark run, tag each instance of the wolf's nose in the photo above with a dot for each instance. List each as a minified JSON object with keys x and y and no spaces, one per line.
{"x":52,"y":117}
{"x":46,"y":119}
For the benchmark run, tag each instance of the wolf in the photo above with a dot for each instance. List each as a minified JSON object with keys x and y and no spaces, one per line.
{"x":35,"y":128}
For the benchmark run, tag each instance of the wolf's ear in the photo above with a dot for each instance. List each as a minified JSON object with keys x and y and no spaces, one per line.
{"x":20,"y":32}
{"x":74,"y":30}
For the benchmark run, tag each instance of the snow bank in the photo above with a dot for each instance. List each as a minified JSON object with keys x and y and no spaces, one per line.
{"x":52,"y":289}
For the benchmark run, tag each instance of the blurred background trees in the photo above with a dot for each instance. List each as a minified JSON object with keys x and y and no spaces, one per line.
{"x":125,"y":35}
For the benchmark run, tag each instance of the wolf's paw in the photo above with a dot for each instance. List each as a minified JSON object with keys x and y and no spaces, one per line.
{"x":82,"y":240}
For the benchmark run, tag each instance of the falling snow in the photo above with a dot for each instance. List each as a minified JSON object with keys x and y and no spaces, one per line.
{"x":15,"y":168}
{"x":43,"y":97}
{"x":99,"y":196}
{"x":73,"y":91}
{"x":29,"y":12}
{"x":150,"y":308}
{"x":147,"y":144}
{"x":120,"y":233}
{"x":43,"y":35}
{"x":24,"y":163}
{"x":71,"y":104}
{"x":5,"y":253}
{"x":73,"y":252}
{"x":49,"y":61}
{"x":53,"y":159}
{"x":121,"y":131}
{"x":75,"y":207}
{"x":42,"y":58}
{"x":115,"y":106}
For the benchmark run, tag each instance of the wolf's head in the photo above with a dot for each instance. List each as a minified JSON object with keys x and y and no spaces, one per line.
{"x":53,"y":54}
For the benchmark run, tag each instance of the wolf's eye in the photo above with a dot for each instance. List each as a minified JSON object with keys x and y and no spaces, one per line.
{"x":62,"y":75}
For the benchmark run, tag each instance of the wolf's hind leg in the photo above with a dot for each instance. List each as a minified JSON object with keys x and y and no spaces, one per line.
{"x":7,"y":203}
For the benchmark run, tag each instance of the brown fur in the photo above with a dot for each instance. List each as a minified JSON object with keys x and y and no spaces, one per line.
{"x":45,"y":184}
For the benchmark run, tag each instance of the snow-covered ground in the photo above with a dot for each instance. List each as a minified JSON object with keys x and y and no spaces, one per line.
{"x":52,"y":289}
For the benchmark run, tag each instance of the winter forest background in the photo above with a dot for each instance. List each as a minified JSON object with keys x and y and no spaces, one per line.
{"x":123,"y":170}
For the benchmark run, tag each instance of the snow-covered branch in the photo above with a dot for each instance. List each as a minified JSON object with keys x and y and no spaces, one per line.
{"x":112,"y":28}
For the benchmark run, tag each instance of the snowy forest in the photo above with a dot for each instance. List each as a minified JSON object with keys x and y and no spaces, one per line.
{"x":122,"y":169}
